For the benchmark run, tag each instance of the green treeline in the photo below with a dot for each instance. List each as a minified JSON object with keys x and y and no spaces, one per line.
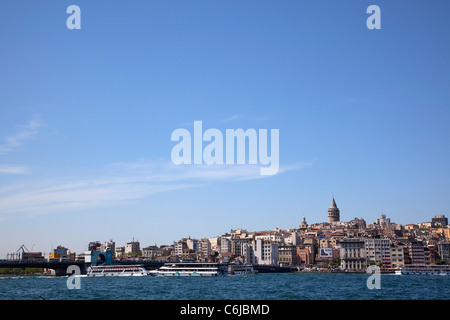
{"x":20,"y":271}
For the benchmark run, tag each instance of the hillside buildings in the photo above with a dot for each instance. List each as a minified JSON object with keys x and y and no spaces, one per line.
{"x":346,"y":245}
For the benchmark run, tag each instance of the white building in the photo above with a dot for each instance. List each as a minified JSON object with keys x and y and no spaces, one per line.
{"x":132,"y":247}
{"x":352,"y":254}
{"x":225,"y":245}
{"x":265,"y":252}
{"x":378,"y":250}
{"x":204,"y":247}
{"x":151,"y":252}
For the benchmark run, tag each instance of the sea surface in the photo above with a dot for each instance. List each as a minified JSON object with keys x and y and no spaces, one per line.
{"x":263,"y":286}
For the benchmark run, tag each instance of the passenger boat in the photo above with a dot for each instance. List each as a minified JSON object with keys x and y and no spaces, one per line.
{"x":116,"y":270}
{"x":441,"y":270}
{"x":239,"y":269}
{"x":194,"y":269}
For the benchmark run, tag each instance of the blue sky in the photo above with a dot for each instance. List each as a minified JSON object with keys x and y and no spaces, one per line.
{"x":86,"y":116}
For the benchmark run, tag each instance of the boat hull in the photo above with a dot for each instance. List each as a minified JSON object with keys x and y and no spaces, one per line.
{"x":189,"y":270}
{"x":424,"y":270}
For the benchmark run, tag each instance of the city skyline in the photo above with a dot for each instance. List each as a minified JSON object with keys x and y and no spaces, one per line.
{"x":318,"y":224}
{"x":86,"y":116}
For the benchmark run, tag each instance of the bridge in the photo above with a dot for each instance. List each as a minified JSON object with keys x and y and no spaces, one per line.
{"x":60,"y":266}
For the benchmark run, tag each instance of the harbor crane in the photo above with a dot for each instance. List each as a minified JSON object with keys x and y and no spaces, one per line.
{"x":17,"y":255}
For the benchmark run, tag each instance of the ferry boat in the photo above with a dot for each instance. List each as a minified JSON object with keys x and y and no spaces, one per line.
{"x":239,"y":269}
{"x":441,"y":270}
{"x":195,"y":269}
{"x":117,"y":270}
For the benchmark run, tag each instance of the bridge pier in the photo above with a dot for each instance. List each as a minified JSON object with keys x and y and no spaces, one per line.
{"x":60,"y":272}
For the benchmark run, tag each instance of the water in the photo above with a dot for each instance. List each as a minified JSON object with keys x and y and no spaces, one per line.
{"x":281,"y":286}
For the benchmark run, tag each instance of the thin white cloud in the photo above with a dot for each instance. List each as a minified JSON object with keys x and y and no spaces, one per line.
{"x":233,"y":117}
{"x":120,"y":183}
{"x":14,"y":169}
{"x":26,"y":132}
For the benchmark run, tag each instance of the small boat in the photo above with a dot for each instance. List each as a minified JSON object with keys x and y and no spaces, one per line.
{"x":117,"y":271}
{"x":190,"y":269}
{"x":239,"y":269}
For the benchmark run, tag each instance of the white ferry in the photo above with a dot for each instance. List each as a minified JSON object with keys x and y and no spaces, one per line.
{"x":441,"y":270}
{"x":195,"y":269}
{"x":239,"y":269}
{"x":117,"y":270}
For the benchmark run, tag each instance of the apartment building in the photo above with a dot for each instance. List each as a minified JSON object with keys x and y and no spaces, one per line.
{"x":397,"y":256}
{"x":416,"y":252}
{"x":352,"y":254}
{"x":305,"y":255}
{"x":132,"y":247}
{"x":287,"y":255}
{"x":151,"y":252}
{"x":265,"y":252}
{"x":444,"y":252}
{"x":378,"y":251}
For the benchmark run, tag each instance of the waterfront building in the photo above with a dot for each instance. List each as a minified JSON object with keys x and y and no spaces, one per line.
{"x":378,"y":251}
{"x":333,"y":212}
{"x":416,"y":252}
{"x":439,"y":221}
{"x":397,"y":256}
{"x":352,"y":254}
{"x":429,"y":255}
{"x":305,"y":255}
{"x":444,"y":252}
{"x":287,"y":255}
{"x":265,"y":252}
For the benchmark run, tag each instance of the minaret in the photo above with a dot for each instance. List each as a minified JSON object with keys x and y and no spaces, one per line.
{"x":333,"y":212}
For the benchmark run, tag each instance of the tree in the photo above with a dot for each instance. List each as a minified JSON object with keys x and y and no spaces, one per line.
{"x":439,"y":262}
